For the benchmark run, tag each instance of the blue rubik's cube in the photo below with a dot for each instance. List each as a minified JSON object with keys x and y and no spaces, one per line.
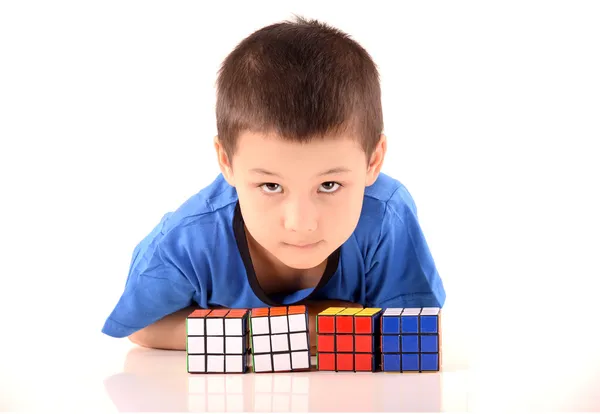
{"x":410,"y":339}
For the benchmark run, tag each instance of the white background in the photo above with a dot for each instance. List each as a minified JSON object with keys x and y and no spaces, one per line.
{"x":492,"y":113}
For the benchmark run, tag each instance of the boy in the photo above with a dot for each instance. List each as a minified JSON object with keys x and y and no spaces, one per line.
{"x":300,"y":213}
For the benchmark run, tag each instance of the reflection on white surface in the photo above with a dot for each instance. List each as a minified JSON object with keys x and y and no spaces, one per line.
{"x":157,"y":381}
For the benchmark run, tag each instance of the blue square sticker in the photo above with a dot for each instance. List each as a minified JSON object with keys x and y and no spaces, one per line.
{"x":429,"y":324}
{"x":391,"y":362}
{"x":429,"y":343}
{"x":390,"y":325}
{"x":429,"y":362}
{"x":410,"y":343}
{"x":410,"y":324}
{"x":410,"y":362}
{"x":390,"y":344}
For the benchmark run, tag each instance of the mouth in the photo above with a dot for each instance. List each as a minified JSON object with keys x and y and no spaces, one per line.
{"x":302,"y":245}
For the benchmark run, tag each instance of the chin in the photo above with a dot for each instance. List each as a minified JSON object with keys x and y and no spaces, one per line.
{"x":299,"y":262}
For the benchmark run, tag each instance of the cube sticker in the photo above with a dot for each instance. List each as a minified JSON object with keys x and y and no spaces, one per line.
{"x":348,"y":339}
{"x":217,"y":341}
{"x":279,"y":339}
{"x":410,"y":339}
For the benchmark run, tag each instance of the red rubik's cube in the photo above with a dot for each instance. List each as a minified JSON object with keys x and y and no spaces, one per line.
{"x":348,"y":339}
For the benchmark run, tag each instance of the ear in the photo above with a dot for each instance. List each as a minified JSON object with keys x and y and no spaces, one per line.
{"x":376,"y":161}
{"x":224,"y":162}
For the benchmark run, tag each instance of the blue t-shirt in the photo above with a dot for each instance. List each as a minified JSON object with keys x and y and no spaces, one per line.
{"x":198,"y":256}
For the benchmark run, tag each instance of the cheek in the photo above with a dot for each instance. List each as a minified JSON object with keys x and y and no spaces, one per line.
{"x":348,"y":213}
{"x":257,"y":217}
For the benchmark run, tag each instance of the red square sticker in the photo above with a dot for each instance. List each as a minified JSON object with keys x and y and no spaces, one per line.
{"x":345,"y":362}
{"x":344,"y":324}
{"x":326,"y":362}
{"x":326,"y":324}
{"x":363,"y":343}
{"x":325,"y":343}
{"x":344,"y":343}
{"x":364,"y":362}
{"x":363,"y":325}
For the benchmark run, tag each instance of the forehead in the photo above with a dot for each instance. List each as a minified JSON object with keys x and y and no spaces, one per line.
{"x":257,"y":148}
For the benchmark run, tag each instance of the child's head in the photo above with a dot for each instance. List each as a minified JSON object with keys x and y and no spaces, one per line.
{"x":299,"y":123}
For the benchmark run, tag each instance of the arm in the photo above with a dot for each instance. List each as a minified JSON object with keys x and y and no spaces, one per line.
{"x":166,"y":333}
{"x":401,"y":272}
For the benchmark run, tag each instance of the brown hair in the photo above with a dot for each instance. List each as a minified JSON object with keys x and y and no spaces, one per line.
{"x":299,"y":80}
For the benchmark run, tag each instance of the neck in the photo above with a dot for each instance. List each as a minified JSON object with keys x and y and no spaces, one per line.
{"x":270,"y":270}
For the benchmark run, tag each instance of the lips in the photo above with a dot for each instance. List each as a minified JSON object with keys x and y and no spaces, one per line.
{"x":302,"y":244}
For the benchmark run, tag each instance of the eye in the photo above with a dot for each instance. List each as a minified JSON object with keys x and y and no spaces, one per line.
{"x":330,"y":187}
{"x":271,"y":188}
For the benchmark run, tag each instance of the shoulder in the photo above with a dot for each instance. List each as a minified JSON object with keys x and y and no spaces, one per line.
{"x":389,"y":192}
{"x":209,"y":206}
{"x":385,"y":203}
{"x":201,"y":224}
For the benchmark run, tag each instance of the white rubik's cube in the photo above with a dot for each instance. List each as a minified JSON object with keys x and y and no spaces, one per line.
{"x":217,"y":341}
{"x":280,"y":339}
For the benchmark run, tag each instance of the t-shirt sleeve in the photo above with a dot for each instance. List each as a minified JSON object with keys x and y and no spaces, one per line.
{"x":156,"y":286}
{"x":402,"y":272}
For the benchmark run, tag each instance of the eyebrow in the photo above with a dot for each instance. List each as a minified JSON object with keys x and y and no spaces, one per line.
{"x":336,"y":170}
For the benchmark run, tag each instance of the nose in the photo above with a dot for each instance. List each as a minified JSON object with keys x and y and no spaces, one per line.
{"x":300,"y":216}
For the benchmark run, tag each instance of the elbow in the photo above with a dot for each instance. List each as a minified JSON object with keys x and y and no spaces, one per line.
{"x":140,"y":338}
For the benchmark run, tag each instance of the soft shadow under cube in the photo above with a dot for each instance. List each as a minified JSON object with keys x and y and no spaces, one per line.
{"x":347,"y":339}
{"x":218,"y":341}
{"x":410,"y":339}
{"x":280,"y":339}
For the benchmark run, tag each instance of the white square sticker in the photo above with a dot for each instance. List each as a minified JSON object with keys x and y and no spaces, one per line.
{"x":260,"y":325}
{"x":279,"y":324}
{"x":261,"y":344}
{"x":195,"y":345}
{"x":297,"y":323}
{"x":300,"y":360}
{"x":195,"y":326}
{"x":233,"y":326}
{"x":233,"y":363}
{"x":215,"y":363}
{"x":214,"y":326}
{"x":233,"y":345}
{"x":282,"y":362}
{"x":262,"y":363}
{"x":214,"y":345}
{"x":196,"y":363}
{"x":279,"y":342}
{"x":299,"y":341}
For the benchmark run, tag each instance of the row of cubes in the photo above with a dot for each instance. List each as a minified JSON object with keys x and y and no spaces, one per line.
{"x":277,"y":339}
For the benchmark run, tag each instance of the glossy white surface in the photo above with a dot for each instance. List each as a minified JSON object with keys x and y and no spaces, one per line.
{"x":520,"y":361}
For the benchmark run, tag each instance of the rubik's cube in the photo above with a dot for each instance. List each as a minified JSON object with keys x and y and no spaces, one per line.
{"x":348,"y":339}
{"x":217,"y":341}
{"x":280,"y":339}
{"x":410,"y":339}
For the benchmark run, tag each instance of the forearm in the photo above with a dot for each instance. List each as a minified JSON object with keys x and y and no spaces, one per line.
{"x":167,"y":333}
